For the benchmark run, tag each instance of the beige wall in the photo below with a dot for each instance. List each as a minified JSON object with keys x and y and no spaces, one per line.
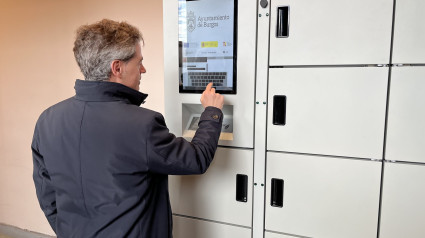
{"x":37,"y":69}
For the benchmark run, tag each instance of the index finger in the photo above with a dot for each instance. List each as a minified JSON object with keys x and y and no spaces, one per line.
{"x":209,"y":86}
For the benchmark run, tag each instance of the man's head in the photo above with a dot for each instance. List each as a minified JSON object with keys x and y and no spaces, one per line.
{"x":110,"y":51}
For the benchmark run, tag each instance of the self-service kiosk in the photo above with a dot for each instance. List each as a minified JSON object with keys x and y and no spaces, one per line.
{"x":212,"y":41}
{"x":324,"y":118}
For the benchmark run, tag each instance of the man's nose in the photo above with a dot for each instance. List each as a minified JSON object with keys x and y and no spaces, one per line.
{"x":142,"y":69}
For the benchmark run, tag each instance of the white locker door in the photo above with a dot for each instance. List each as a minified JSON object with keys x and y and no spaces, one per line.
{"x":331,"y":32}
{"x":276,"y":235}
{"x":403,"y":207}
{"x":212,"y":196}
{"x":331,"y":111}
{"x":409,"y":32}
{"x":406,"y":116}
{"x":323,"y":196}
{"x":192,"y":228}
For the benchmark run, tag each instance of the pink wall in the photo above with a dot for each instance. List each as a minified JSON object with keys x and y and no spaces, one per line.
{"x":37,"y":69}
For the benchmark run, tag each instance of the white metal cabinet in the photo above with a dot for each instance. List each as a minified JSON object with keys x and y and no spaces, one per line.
{"x":403,"y":207}
{"x":324,"y":196}
{"x":406,"y":119}
{"x":212,"y":195}
{"x":332,"y":32}
{"x":409,"y":32}
{"x":193,"y":228}
{"x":332,"y":111}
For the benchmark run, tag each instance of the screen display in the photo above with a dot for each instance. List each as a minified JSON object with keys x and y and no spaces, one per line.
{"x":207,"y":45}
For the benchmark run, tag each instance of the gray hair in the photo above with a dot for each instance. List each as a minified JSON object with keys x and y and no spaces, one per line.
{"x":98,"y":44}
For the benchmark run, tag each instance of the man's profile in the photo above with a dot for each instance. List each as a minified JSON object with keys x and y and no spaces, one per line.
{"x":101,"y":162}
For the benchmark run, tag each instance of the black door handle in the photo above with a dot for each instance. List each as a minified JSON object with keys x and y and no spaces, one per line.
{"x":282,"y":26}
{"x":241,"y":188}
{"x":279,"y":110}
{"x":277,"y":192}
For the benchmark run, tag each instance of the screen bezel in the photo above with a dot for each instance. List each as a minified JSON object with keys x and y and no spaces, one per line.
{"x":235,"y":44}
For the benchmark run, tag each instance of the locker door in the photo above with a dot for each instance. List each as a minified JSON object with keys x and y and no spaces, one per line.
{"x":406,"y":117}
{"x":409,"y":32}
{"x":330,"y":32}
{"x":403,"y":208}
{"x":323,"y":196}
{"x":192,"y":228}
{"x":331,"y":111}
{"x":276,"y":235}
{"x":212,"y":196}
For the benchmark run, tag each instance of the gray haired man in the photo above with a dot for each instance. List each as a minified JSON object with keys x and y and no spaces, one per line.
{"x":101,"y":162}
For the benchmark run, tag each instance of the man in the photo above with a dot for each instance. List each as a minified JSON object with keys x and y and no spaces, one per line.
{"x":101,"y":162}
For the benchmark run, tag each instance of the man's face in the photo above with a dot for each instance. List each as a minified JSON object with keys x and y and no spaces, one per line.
{"x":133,"y":70}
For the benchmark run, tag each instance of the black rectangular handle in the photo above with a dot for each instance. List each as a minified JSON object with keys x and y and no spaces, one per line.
{"x":241,"y":188}
{"x":277,"y":193}
{"x":279,"y":110}
{"x":282,"y":29}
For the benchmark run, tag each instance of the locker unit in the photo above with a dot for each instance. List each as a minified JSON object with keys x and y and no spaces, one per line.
{"x":322,"y":196}
{"x":330,"y":111}
{"x":406,"y":119}
{"x":403,"y":208}
{"x":326,"y":124}
{"x":332,"y":70}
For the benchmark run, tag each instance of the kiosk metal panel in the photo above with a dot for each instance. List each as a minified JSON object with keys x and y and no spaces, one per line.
{"x":179,"y":106}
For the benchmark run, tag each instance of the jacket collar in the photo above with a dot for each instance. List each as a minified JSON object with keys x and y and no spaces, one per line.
{"x":107,"y":91}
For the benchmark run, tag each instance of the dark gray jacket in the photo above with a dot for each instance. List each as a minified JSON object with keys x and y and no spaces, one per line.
{"x":101,"y":162}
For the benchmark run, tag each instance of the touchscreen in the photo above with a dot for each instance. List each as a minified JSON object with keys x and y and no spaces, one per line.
{"x":207,"y":45}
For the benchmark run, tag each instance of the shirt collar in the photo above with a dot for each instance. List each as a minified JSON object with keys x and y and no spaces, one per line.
{"x":107,"y":91}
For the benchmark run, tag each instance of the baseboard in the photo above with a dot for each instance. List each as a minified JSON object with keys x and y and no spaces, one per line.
{"x":15,"y":232}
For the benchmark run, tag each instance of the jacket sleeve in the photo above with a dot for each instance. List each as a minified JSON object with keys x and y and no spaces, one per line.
{"x":45,"y":191}
{"x":167,"y":154}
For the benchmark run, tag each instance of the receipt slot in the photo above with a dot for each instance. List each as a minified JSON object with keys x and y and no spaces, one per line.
{"x":192,"y":113}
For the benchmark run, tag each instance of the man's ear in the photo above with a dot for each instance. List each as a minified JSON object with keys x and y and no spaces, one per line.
{"x":116,"y":68}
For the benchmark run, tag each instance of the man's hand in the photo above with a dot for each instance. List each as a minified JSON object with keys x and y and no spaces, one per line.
{"x":210,"y":98}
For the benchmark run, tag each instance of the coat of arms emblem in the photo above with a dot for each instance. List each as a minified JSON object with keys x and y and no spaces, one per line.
{"x":191,"y":21}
